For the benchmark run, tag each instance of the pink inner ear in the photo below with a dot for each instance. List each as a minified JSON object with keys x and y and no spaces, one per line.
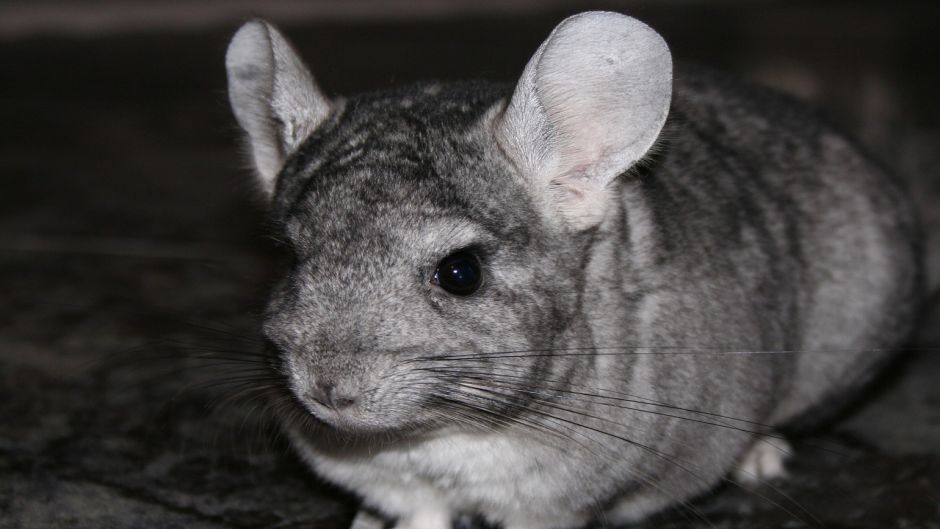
{"x":570,"y":175}
{"x":584,"y":143}
{"x":574,"y":185}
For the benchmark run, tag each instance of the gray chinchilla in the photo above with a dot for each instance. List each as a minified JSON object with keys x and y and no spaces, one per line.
{"x":585,"y":297}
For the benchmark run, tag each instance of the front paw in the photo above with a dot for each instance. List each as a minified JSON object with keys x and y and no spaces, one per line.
{"x":425,"y":520}
{"x":763,"y":461}
{"x":366,"y":520}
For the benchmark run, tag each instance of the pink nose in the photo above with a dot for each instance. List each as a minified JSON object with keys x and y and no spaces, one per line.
{"x":327,"y":394}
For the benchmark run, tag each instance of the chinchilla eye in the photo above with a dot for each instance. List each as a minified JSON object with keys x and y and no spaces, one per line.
{"x":459,"y":273}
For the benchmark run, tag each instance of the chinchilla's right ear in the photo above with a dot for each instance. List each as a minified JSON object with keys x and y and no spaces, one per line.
{"x":273,"y":96}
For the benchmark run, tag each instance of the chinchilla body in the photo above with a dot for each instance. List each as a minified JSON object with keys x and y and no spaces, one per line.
{"x":648,"y":301}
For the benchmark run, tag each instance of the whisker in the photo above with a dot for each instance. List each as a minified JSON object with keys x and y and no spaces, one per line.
{"x":521,"y":388}
{"x":643,"y":479}
{"x":626,"y":397}
{"x":626,"y":350}
{"x":764,"y":429}
{"x":672,"y":459}
{"x":635,"y":349}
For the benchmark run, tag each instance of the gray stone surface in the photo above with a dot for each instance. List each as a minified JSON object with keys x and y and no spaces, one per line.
{"x":131,"y":253}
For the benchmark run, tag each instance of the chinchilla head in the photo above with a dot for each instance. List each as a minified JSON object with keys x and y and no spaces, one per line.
{"x":442,"y":222}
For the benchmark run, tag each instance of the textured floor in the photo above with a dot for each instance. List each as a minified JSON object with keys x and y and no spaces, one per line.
{"x":130,"y":249}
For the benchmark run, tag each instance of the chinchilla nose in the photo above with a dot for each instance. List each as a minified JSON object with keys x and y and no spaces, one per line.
{"x":328,"y":394}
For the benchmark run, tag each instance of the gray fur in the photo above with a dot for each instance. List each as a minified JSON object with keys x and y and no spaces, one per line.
{"x":751,"y":227}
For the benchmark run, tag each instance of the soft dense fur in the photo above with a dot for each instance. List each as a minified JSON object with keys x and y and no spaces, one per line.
{"x":658,"y":291}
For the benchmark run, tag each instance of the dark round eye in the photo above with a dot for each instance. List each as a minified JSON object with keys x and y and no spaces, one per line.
{"x":459,"y":273}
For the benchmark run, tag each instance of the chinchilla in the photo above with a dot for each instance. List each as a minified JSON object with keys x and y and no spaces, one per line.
{"x":585,"y":297}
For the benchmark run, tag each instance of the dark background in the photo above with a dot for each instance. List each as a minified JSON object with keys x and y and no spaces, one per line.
{"x":132,"y":250}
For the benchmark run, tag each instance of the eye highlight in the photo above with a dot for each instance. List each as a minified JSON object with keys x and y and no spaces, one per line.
{"x":459,"y":273}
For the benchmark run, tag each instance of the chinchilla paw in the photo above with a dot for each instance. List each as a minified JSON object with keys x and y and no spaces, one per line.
{"x":425,"y":520}
{"x":367,"y":520}
{"x":763,"y":461}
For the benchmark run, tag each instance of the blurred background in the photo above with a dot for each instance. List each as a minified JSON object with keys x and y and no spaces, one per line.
{"x":130,"y":239}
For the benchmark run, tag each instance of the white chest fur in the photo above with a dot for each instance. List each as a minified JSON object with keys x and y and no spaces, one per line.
{"x":509,"y":477}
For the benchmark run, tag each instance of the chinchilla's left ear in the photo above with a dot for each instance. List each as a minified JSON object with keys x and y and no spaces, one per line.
{"x":273,"y":96}
{"x":591,"y":103}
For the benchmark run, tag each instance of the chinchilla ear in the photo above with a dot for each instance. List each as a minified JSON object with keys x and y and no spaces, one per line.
{"x":273,"y":96}
{"x":590,"y":104}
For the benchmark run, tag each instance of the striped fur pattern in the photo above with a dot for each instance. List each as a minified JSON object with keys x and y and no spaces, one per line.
{"x":752,"y":266}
